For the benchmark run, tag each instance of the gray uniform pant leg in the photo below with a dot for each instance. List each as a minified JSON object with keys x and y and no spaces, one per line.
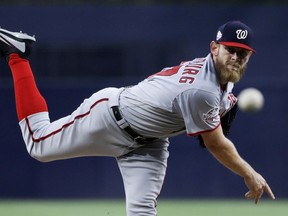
{"x":143,"y":171}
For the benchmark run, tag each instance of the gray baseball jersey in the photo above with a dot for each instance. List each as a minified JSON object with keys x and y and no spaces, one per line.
{"x":177,"y":99}
{"x":186,"y":97}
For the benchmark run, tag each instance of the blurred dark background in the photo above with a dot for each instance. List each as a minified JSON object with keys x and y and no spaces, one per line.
{"x":85,"y":46}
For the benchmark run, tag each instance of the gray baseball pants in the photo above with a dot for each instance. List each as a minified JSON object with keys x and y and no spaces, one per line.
{"x":91,"y":130}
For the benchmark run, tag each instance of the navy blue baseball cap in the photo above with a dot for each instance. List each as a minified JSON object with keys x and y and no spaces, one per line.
{"x":236,"y":34}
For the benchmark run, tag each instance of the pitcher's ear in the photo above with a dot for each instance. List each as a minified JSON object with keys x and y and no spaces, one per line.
{"x":214,"y":48}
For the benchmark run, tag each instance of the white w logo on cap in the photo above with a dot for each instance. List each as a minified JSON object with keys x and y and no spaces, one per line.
{"x":241,"y":34}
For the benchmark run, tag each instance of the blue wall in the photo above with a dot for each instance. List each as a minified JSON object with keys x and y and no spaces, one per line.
{"x":81,"y":49}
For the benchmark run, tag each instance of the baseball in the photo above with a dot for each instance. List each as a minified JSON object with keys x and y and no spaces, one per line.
{"x":250,"y":100}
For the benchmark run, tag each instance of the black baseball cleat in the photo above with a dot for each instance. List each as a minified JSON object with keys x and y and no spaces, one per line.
{"x":15,"y":42}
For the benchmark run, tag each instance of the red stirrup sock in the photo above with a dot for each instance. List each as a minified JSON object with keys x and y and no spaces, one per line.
{"x":28,"y":98}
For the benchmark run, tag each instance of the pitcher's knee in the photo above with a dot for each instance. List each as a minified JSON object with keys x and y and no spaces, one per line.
{"x":39,"y":155}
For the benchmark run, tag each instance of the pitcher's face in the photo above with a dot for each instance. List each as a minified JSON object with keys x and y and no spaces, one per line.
{"x":230,"y":62}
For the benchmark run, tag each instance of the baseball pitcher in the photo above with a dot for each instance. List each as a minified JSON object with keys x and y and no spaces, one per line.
{"x":133,"y":124}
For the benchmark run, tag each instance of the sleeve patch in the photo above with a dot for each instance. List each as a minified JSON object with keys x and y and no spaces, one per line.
{"x":212,"y":116}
